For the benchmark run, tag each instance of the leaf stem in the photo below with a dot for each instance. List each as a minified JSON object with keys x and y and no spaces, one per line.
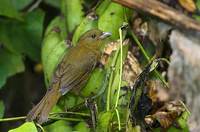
{"x":111,"y":69}
{"x":118,"y":119}
{"x":140,"y":46}
{"x":69,"y":112}
{"x":64,"y":118}
{"x":24,"y":117}
{"x":13,"y":119}
{"x":38,"y":125}
{"x":120,"y":70}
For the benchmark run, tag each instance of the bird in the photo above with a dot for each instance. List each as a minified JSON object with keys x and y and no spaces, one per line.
{"x":72,"y":72}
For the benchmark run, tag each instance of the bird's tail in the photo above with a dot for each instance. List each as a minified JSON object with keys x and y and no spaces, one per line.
{"x":41,"y":111}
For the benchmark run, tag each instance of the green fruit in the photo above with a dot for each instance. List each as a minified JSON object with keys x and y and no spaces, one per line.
{"x":101,"y":8}
{"x":54,"y":58}
{"x":53,"y":46}
{"x":73,"y":13}
{"x":57,"y":22}
{"x":49,"y":42}
{"x":112,"y":19}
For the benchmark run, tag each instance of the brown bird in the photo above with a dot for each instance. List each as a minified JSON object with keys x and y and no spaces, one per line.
{"x":72,"y":72}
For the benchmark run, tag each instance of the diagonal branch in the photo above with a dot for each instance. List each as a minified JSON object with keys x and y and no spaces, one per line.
{"x":162,"y":11}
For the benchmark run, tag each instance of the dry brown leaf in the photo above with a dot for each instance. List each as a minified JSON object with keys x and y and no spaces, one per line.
{"x":131,"y":69}
{"x":140,"y":27}
{"x":111,"y":47}
{"x":166,"y":115}
{"x":157,"y":92}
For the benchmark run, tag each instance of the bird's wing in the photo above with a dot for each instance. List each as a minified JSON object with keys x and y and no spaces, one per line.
{"x":73,"y":76}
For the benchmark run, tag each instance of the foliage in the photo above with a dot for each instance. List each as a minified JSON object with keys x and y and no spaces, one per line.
{"x":7,"y":68}
{"x":7,"y":9}
{"x":26,"y":127}
{"x":24,"y":37}
{"x":30,"y":35}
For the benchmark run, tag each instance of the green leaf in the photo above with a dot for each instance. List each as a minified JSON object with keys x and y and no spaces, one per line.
{"x":198,"y":4}
{"x":69,"y":100}
{"x":23,"y":37}
{"x":59,"y":126}
{"x":20,"y":4}
{"x":82,"y":127}
{"x":26,"y":127}
{"x":183,"y":119}
{"x":104,"y":121}
{"x":94,"y":83}
{"x":10,"y":64}
{"x":174,"y":129}
{"x":2,"y":108}
{"x":56,"y":108}
{"x":7,"y":9}
{"x":197,"y":16}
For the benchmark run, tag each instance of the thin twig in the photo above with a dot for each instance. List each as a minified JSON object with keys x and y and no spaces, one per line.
{"x":69,"y":112}
{"x":148,"y":59}
{"x":34,"y":6}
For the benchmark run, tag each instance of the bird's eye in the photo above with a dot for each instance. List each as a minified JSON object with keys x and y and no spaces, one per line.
{"x":93,"y":36}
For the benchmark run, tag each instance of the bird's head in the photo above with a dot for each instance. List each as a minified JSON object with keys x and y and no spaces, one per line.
{"x":94,"y":38}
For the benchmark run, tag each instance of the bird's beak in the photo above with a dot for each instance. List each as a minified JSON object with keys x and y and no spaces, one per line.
{"x":105,"y":35}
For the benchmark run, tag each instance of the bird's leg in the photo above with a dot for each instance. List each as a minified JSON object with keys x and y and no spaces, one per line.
{"x":68,"y":43}
{"x":91,"y":104}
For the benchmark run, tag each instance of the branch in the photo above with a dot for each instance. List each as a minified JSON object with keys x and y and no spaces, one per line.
{"x":162,"y":11}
